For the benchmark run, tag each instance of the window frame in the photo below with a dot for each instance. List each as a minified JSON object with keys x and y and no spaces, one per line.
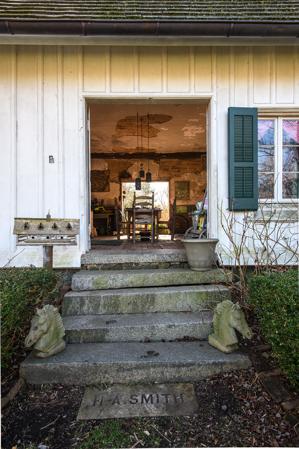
{"x":278,"y":159}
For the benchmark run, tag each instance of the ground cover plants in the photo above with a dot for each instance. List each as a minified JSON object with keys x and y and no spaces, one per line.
{"x":22,"y":290}
{"x":276,"y":301}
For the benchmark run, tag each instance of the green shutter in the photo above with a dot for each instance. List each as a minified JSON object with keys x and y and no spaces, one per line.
{"x":243,"y":168}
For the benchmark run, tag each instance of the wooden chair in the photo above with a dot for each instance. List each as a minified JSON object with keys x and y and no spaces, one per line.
{"x":179,"y":222}
{"x":143,"y":214}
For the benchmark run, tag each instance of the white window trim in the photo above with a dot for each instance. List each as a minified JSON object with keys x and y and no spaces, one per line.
{"x":278,"y":159}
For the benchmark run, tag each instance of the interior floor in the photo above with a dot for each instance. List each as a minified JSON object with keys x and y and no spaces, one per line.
{"x":123,"y":245}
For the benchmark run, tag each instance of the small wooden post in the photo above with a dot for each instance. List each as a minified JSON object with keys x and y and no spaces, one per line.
{"x":48,"y":256}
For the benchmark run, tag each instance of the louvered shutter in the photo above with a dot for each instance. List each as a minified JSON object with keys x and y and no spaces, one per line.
{"x":243,"y":163}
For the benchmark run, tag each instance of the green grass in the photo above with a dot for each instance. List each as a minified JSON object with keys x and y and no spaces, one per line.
{"x":113,"y":434}
{"x":108,"y":435}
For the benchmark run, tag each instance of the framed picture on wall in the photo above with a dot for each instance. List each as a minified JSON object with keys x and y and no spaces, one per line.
{"x":99,"y":180}
{"x":182,"y":190}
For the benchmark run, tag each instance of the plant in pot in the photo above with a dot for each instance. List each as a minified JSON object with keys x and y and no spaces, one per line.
{"x":200,"y":250}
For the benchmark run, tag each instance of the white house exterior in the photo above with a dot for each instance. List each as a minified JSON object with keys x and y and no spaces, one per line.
{"x":46,"y":82}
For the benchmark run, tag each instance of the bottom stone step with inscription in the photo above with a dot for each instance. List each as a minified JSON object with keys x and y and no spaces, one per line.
{"x":129,"y":363}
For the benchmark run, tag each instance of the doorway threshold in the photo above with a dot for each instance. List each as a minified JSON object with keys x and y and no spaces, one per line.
{"x":140,"y":254}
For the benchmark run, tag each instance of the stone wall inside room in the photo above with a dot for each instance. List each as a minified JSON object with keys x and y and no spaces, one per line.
{"x":171,"y":170}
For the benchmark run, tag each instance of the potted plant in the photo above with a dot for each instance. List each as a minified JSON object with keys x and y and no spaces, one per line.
{"x":200,"y":252}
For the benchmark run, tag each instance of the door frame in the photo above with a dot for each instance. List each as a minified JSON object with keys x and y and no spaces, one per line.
{"x":212,"y":163}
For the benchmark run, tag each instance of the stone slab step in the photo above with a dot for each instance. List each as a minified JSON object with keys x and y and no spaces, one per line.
{"x":115,"y":279}
{"x":92,"y":363}
{"x":186,"y":298}
{"x":138,"y":327}
{"x":116,"y":259}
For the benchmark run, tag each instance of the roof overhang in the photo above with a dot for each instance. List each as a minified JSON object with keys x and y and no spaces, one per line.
{"x":148,"y":29}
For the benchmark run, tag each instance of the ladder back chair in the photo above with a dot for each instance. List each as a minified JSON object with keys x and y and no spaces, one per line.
{"x":143,"y":214}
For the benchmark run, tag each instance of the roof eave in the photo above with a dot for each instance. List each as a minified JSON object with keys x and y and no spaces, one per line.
{"x":148,"y":28}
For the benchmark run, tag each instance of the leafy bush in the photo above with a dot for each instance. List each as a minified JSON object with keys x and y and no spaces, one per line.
{"x":21,"y":291}
{"x":276,"y":301}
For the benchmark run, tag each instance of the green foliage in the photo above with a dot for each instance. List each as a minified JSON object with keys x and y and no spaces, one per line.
{"x":115,"y":434}
{"x":276,"y":301}
{"x":109,"y":435}
{"x":21,"y":291}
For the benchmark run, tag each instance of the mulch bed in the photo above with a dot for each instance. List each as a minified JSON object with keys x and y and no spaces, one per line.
{"x":235,"y":410}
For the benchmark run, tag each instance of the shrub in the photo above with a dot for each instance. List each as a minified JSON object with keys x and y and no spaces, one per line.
{"x":21,"y":291}
{"x":275,"y":298}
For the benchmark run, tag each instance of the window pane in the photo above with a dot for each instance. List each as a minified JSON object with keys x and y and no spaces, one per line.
{"x":290,"y":185}
{"x":290,"y":132}
{"x":266,"y":132}
{"x":266,"y":158}
{"x":290,"y":159}
{"x":266,"y":185}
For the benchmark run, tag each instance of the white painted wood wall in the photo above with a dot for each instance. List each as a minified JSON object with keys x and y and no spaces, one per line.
{"x":43,"y":91}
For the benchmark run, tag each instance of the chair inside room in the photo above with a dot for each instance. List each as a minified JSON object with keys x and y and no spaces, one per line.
{"x":143,"y":216}
{"x":180,"y":219}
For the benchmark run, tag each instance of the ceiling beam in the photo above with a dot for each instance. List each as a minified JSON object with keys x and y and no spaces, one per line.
{"x":151,"y":156}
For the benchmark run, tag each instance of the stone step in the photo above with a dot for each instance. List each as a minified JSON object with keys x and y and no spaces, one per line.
{"x":115,"y":259}
{"x":128,"y":363}
{"x":186,"y":298}
{"x":138,"y":327}
{"x":115,"y":279}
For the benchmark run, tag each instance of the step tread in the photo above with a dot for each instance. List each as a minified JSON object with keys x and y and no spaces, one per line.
{"x":83,"y":322}
{"x":148,"y":291}
{"x":102,"y":257}
{"x":132,"y":353}
{"x":115,"y":279}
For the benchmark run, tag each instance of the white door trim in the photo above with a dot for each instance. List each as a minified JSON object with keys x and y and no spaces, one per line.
{"x":212,"y":163}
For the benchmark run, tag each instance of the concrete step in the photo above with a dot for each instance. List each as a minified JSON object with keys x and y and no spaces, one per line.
{"x":138,"y":327}
{"x":115,"y":279}
{"x":115,"y":259}
{"x":186,"y":298}
{"x":92,"y":363}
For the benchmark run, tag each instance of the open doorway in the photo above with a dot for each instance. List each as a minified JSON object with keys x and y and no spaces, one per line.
{"x":128,"y":140}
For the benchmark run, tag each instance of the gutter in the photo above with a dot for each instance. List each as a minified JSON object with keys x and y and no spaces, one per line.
{"x":147,"y":29}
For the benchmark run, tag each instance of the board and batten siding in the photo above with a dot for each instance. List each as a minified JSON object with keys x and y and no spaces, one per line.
{"x":42,"y":113}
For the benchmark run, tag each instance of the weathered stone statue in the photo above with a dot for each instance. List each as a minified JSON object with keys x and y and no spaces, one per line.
{"x":228,"y":317}
{"x":46,"y":332}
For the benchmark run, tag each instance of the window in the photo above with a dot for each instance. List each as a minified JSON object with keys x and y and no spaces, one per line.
{"x":278,"y":158}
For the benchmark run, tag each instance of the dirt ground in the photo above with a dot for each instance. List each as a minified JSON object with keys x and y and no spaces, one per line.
{"x":234,"y":411}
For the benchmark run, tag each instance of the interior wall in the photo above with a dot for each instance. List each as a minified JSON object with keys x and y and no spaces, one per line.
{"x":171,"y":170}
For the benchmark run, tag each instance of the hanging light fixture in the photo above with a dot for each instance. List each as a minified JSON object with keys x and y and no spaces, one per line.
{"x":138,"y":179}
{"x":148,"y":176}
{"x":141,"y":171}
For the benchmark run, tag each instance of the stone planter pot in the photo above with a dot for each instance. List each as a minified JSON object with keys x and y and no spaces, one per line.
{"x":201,"y":253}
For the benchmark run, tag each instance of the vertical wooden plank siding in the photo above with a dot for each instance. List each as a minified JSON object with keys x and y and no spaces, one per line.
{"x":241,"y":76}
{"x":284,"y":76}
{"x":122,"y":69}
{"x":261,"y":75}
{"x":43,"y":114}
{"x":7,"y":175}
{"x":150,"y":69}
{"x":51,"y":130}
{"x":27,"y":132}
{"x":71,"y":143}
{"x":178,"y":69}
{"x":94,"y":69}
{"x":203,"y":69}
